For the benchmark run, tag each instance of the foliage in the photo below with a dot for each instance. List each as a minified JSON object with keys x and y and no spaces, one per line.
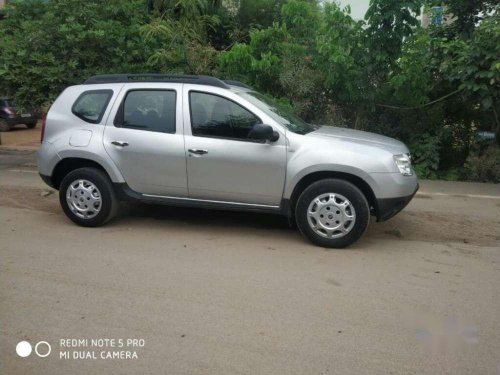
{"x":425,"y":155}
{"x":389,"y":23}
{"x":484,"y":167}
{"x":47,"y":46}
{"x":258,"y":14}
{"x":464,"y":15}
{"x":432,"y":88}
{"x":181,"y":31}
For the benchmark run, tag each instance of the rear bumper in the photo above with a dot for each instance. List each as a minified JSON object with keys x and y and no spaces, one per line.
{"x":388,"y":207}
{"x":19,"y":120}
{"x":47,"y":180}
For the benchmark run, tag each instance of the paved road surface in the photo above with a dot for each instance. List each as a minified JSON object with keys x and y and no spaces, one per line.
{"x":232,"y":293}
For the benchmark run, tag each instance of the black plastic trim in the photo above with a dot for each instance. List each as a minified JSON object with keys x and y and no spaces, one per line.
{"x":387,"y":208}
{"x":47,"y":180}
{"x":155,"y":77}
{"x":236,"y":83}
{"x":125,"y":193}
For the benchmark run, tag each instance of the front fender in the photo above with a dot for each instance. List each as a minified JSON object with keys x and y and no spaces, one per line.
{"x":294,"y":176}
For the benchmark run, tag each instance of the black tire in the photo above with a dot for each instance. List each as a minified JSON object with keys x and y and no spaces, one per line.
{"x":31,"y":125}
{"x":344,"y":188}
{"x":109,"y":203}
{"x":4,"y":127}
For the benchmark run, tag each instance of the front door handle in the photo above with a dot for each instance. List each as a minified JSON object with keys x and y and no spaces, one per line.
{"x":119,"y":143}
{"x":197,"y":151}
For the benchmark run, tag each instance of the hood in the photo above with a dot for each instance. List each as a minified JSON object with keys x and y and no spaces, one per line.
{"x":361,"y":137}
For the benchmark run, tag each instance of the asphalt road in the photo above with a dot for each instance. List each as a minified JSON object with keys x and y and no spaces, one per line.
{"x":232,"y":293}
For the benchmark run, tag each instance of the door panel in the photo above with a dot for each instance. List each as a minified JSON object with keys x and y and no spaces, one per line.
{"x":236,"y":171}
{"x":152,"y":163}
{"x":146,"y":144}
{"x":222,"y":167}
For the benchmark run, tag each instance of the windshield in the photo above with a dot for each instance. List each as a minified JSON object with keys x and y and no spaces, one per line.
{"x":278,"y":112}
{"x":7,"y":103}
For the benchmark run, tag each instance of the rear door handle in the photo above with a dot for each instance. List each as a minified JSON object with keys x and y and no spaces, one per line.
{"x":119,"y":143}
{"x":197,"y":151}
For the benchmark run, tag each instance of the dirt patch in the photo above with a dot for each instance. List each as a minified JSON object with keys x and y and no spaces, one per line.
{"x":30,"y":198}
{"x":408,"y":225}
{"x":438,"y":227}
{"x":422,"y":196}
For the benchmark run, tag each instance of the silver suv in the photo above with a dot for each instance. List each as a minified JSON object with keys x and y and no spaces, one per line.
{"x":202,"y":142}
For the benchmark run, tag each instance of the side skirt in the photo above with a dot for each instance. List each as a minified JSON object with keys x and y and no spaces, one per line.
{"x":125,"y":193}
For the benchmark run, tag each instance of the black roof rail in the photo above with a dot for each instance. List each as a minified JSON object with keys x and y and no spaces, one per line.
{"x":154,"y":77}
{"x":237,"y":83}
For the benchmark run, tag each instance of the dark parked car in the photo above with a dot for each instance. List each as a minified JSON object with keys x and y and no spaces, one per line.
{"x":10,"y":117}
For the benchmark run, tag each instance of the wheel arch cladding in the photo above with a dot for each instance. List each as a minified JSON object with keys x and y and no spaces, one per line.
{"x":321,"y":175}
{"x":66,"y":165}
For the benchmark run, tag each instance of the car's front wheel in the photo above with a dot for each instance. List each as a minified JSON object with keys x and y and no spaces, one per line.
{"x":87,"y":197}
{"x":332,"y":213}
{"x":31,"y":125}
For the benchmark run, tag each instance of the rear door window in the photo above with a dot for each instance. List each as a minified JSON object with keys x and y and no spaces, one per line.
{"x":91,"y":105}
{"x":150,"y":110}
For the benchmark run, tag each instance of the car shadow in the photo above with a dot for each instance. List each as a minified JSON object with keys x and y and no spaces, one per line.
{"x":202,"y":216}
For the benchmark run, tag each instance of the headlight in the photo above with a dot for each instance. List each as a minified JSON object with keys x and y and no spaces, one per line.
{"x":403,"y":161}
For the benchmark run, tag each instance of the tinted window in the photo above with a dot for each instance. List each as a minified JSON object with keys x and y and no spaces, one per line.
{"x":90,"y":105}
{"x":152,"y":110}
{"x":215,"y":116}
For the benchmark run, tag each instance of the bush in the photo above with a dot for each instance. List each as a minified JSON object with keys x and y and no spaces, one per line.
{"x":425,"y":154}
{"x":484,"y":167}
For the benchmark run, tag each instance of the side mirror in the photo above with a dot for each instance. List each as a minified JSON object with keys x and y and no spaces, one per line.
{"x":262,"y":132}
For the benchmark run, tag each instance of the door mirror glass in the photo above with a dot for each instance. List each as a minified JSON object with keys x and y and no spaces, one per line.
{"x":262,"y":132}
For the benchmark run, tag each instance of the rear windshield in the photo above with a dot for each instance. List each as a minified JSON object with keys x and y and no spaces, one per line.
{"x":91,"y":105}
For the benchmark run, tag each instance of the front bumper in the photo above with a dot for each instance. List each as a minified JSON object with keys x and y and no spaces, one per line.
{"x":388,"y":207}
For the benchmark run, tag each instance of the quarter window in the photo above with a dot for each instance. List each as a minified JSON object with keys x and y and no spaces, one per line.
{"x":215,"y":116}
{"x":152,"y":110}
{"x":91,"y":105}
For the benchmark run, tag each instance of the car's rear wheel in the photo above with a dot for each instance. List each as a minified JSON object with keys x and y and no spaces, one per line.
{"x":4,"y":127}
{"x":332,"y":213}
{"x":87,"y":197}
{"x":31,"y":125}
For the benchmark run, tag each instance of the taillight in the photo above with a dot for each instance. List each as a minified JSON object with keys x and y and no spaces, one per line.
{"x":44,"y":122}
{"x":10,"y":111}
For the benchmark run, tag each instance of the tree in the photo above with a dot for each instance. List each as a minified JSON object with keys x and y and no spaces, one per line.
{"x":389,"y":23}
{"x":47,"y":46}
{"x":181,"y":29}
